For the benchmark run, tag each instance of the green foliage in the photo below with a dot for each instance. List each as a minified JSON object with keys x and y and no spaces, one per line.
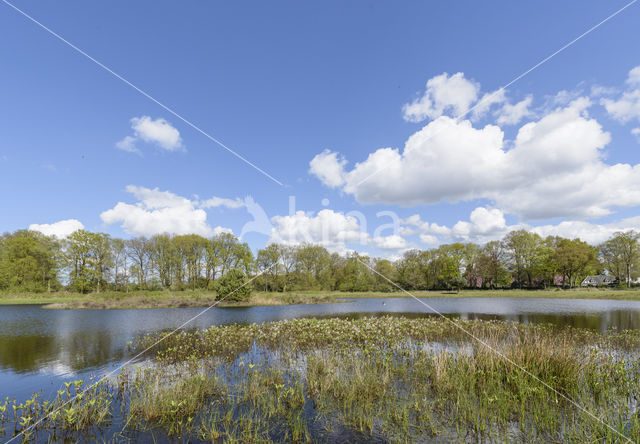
{"x":233,"y":286}
{"x":621,"y":255}
{"x":90,"y":257}
{"x":28,"y":261}
{"x":94,"y":262}
{"x":574,"y":258}
{"x":356,"y":274}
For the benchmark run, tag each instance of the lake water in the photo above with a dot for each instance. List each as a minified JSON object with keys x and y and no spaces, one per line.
{"x":39,"y":348}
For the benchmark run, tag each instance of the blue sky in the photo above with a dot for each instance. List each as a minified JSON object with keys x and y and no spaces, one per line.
{"x":281,"y":82}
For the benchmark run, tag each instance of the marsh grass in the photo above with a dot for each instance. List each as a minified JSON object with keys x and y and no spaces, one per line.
{"x":404,"y":379}
{"x":384,"y":379}
{"x":158,"y":401}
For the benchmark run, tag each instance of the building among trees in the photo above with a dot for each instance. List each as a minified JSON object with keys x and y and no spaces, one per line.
{"x":599,"y":280}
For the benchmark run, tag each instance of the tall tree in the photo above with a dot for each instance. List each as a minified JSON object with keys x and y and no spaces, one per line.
{"x":526,"y":254}
{"x":29,"y":261}
{"x":164,"y":255}
{"x":268,"y":262}
{"x":621,"y":254}
{"x":102,"y":254}
{"x":138,"y":250}
{"x":573,"y":258}
{"x":490,"y":265}
{"x":119,"y":263}
{"x":79,"y":252}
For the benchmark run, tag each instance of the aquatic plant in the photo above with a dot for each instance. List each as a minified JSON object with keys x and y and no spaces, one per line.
{"x":388,"y":379}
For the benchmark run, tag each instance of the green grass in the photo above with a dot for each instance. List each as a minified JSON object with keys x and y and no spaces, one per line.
{"x":632,"y":294}
{"x":199,"y":298}
{"x":154,"y":299}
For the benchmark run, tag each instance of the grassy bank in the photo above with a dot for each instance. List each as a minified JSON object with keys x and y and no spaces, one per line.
{"x":156,"y":299}
{"x":170,"y":299}
{"x":630,"y":294}
{"x":373,"y":379}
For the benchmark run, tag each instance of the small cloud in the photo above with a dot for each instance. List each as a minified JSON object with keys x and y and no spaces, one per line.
{"x":443,"y":94}
{"x":59,"y":229}
{"x":128,"y":144}
{"x":391,"y":242}
{"x":157,"y":132}
{"x":636,"y":133}
{"x":221,"y":202}
{"x":329,"y":168}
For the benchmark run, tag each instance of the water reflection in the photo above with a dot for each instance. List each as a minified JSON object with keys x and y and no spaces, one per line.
{"x":36,"y":343}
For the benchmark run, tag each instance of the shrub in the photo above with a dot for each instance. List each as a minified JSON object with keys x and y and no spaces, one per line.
{"x":233,"y":286}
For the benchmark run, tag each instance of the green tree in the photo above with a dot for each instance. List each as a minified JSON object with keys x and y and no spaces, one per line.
{"x":29,"y":261}
{"x":573,"y":258}
{"x":621,"y":254}
{"x":526,"y":255}
{"x":191,"y":250}
{"x":84,"y":270}
{"x":357,"y":274}
{"x":165,"y":258}
{"x":490,"y":265}
{"x":233,"y":286}
{"x":311,"y":261}
{"x":268,"y":262}
{"x":120,"y":279}
{"x":138,"y":250}
{"x":102,"y":254}
{"x":411,"y":270}
{"x":385,"y":272}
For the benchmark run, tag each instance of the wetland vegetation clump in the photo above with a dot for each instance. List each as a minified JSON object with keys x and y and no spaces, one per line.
{"x":383,"y":379}
{"x":233,"y":286}
{"x":400,"y":379}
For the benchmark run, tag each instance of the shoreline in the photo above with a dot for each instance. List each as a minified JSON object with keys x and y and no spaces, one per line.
{"x":167,"y":299}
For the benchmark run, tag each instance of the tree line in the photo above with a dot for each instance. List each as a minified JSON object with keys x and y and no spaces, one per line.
{"x":94,"y":262}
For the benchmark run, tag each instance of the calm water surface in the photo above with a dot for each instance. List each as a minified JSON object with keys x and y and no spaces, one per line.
{"x":39,"y":348}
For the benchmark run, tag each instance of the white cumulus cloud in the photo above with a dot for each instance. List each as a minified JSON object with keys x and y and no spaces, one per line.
{"x":627,"y":106}
{"x":331,"y":229}
{"x":591,"y":233}
{"x":128,"y":144}
{"x":444,"y":93}
{"x":390,"y":242}
{"x":487,"y":224}
{"x":553,"y":168}
{"x":329,"y":168}
{"x":59,"y":229}
{"x":157,"y":212}
{"x":158,"y":132}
